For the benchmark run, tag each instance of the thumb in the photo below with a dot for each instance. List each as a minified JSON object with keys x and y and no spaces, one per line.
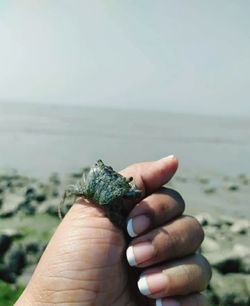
{"x":85,"y":249}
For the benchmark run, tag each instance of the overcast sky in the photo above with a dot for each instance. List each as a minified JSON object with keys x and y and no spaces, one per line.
{"x":174,"y":55}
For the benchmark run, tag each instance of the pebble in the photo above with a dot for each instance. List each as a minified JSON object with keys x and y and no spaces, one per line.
{"x":209,"y":245}
{"x":240,"y":226}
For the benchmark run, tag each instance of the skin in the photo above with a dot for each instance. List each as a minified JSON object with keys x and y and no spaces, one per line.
{"x":85,"y":263}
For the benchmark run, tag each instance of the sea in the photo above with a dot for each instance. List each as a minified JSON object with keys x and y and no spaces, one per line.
{"x":40,"y":139}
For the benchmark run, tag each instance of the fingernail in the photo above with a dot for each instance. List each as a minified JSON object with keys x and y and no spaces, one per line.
{"x":137,"y":225}
{"x":152,"y":284}
{"x":167,"y":302}
{"x":168,"y":157}
{"x":139,"y":253}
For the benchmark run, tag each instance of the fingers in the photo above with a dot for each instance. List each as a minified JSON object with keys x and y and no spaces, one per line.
{"x":180,"y":277}
{"x":191,"y":300}
{"x":178,"y":238}
{"x":150,"y":176}
{"x":155,"y":210}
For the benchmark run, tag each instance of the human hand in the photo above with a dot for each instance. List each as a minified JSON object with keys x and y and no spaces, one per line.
{"x":84,"y":263}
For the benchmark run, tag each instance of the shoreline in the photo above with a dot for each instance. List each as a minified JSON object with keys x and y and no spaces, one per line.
{"x":29,"y":216}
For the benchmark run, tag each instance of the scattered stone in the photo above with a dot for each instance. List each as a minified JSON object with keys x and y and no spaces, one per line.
{"x":20,"y":248}
{"x":203,"y":180}
{"x":12,"y":233}
{"x":6,"y":275}
{"x":209,"y":245}
{"x":240,"y":226}
{"x":210,"y":189}
{"x":11,"y":205}
{"x":230,"y":290}
{"x":226,"y":220}
{"x":241,"y":250}
{"x":225,"y":261}
{"x":16,"y":260}
{"x":49,"y":207}
{"x":181,"y":179}
{"x":5,"y":243}
{"x":244,"y":179}
{"x":54,"y":179}
{"x":232,"y":187}
{"x":33,"y":251}
{"x":206,"y":219}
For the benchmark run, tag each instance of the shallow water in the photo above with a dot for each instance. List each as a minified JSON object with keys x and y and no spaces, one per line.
{"x":40,"y":139}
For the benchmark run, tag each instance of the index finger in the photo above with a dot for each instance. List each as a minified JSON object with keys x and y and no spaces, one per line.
{"x":150,"y":176}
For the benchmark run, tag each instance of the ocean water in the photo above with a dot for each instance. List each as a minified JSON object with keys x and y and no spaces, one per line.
{"x":39,"y":139}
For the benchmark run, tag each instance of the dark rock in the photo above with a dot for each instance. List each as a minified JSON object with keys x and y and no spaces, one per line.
{"x":16,"y":260}
{"x":12,"y":233}
{"x":34,"y":251}
{"x":229,"y":261}
{"x":6,"y":275}
{"x":233,"y":187}
{"x":30,"y":193}
{"x":40,"y":197}
{"x":5,"y":243}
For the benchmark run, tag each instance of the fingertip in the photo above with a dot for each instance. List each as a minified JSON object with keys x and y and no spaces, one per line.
{"x":171,"y":160}
{"x":150,"y":176}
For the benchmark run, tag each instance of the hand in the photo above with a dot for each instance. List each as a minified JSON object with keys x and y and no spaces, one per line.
{"x":84,"y":263}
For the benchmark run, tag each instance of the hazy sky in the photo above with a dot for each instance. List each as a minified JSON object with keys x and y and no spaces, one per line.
{"x":172,"y":55}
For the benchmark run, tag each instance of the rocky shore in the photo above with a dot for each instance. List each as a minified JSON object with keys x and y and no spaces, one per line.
{"x":225,"y":246}
{"x":28,"y":218}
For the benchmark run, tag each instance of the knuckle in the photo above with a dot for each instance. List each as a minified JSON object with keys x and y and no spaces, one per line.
{"x":172,"y":243}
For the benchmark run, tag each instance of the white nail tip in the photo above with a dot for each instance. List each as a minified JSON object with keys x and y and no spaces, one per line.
{"x":169,"y":157}
{"x":130,"y":229}
{"x":158,"y":302}
{"x":143,"y":286}
{"x":131,"y":256}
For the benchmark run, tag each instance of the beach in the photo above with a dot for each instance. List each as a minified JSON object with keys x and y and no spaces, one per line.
{"x":45,"y":147}
{"x":38,"y":140}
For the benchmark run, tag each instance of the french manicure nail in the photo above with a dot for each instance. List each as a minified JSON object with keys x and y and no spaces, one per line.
{"x":139,"y":253}
{"x":168,"y":157}
{"x":137,"y":225}
{"x":152,"y":284}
